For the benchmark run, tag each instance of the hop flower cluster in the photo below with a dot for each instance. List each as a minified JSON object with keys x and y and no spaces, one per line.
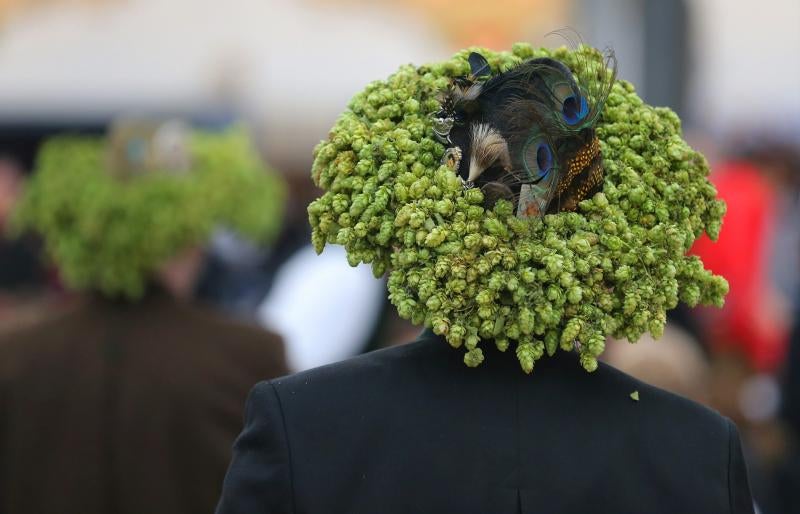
{"x":566,"y":281}
{"x":109,"y":234}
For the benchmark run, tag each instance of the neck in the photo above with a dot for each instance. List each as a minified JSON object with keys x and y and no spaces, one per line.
{"x":179,"y":274}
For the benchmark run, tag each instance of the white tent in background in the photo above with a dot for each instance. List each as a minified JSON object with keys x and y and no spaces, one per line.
{"x":286,"y":65}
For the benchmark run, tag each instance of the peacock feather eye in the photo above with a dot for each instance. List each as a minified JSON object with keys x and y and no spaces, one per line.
{"x":537,"y":157}
{"x":571,"y":102}
{"x":574,"y":109}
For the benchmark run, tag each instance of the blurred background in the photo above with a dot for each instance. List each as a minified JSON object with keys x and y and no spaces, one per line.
{"x":286,"y":68}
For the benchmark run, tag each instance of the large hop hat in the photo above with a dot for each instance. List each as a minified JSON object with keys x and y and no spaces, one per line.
{"x":112,"y":209}
{"x":525,"y":198}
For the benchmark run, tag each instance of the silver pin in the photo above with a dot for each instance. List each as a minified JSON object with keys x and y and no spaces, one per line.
{"x":442,"y":128}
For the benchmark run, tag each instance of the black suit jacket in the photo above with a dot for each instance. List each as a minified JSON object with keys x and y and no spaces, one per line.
{"x":412,"y":430}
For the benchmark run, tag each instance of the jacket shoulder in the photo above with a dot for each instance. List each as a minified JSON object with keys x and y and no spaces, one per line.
{"x":362,"y":368}
{"x":51,"y":328}
{"x":655,"y":399}
{"x":433,"y":361}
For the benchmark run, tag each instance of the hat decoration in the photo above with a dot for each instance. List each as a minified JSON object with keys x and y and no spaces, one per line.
{"x":525,"y":199}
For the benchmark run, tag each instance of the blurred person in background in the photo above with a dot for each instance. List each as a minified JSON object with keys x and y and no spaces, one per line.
{"x":129,"y":401}
{"x":748,"y":340}
{"x":760,"y":188}
{"x":23,"y":278}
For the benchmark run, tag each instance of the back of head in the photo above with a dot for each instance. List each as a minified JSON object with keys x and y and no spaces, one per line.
{"x":113,"y":212}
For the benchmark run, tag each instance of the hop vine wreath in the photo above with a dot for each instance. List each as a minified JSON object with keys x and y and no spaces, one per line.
{"x":109,"y":234}
{"x":563,"y":281}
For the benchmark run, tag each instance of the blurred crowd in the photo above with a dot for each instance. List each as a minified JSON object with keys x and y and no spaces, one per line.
{"x":742,"y":360}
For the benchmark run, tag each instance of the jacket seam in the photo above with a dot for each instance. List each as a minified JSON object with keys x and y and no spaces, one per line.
{"x":288,"y":443}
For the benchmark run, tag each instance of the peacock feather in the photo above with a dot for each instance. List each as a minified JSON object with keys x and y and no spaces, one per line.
{"x":527,"y":135}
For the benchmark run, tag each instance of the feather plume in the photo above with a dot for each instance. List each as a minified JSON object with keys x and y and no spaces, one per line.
{"x":488,"y":146}
{"x":527,"y":134}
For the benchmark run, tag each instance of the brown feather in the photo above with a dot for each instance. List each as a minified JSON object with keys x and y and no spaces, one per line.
{"x":488,"y":147}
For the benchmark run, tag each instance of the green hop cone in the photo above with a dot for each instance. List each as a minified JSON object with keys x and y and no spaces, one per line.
{"x":612,"y":268}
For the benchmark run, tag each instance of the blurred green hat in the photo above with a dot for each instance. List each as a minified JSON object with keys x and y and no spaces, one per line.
{"x":111,"y":210}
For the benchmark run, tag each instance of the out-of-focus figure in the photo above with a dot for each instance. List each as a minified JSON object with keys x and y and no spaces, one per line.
{"x":759,"y":253}
{"x":129,"y":401}
{"x":23,"y":278}
{"x":754,"y":321}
